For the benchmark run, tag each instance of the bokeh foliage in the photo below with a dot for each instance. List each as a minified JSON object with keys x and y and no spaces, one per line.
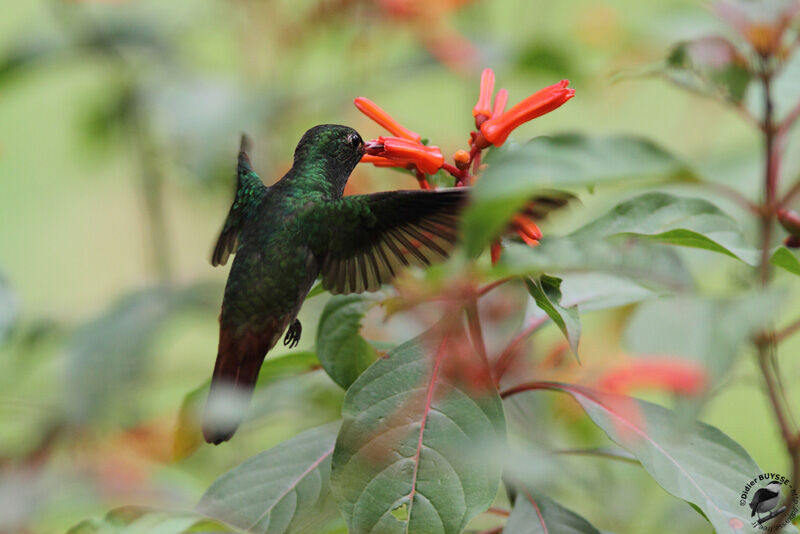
{"x":118,"y":130}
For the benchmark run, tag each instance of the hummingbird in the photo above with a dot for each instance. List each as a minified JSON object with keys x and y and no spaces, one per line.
{"x":287,"y":235}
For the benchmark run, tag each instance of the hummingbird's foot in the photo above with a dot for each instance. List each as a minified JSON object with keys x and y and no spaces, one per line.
{"x":292,"y":337}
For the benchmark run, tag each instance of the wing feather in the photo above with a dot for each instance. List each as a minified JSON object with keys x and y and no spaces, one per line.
{"x":376,"y":236}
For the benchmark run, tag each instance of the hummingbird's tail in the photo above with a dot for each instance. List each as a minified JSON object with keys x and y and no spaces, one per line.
{"x":239,"y":360}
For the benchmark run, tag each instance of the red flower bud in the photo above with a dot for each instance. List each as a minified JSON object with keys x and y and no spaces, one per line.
{"x":484,"y":105}
{"x":790,"y":221}
{"x":374,"y":112}
{"x":461,"y":159}
{"x":495,"y":251}
{"x":497,"y":129}
{"x":526,"y":229}
{"x":428,"y":159}
{"x":792,"y":241}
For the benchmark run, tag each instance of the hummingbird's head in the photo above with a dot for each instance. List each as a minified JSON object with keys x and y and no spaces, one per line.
{"x":331,"y":148}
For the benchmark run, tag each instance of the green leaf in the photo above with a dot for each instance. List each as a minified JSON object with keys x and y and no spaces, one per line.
{"x":709,"y":65}
{"x":692,"y":461}
{"x":282,"y":490}
{"x":598,"y":291}
{"x":410,"y":455}
{"x":341,"y":350}
{"x":533,"y":513}
{"x":785,"y":259}
{"x":647,"y":263}
{"x":562,"y":161}
{"x":110,"y":353}
{"x":139,"y":520}
{"x":546,"y":291}
{"x":9,"y":308}
{"x":188,"y":433}
{"x":710,"y":331}
{"x":665,"y":218}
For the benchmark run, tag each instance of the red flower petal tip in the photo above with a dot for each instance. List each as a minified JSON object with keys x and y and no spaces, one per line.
{"x":500,"y":102}
{"x":484,"y":105}
{"x":497,"y":129}
{"x":376,"y":113}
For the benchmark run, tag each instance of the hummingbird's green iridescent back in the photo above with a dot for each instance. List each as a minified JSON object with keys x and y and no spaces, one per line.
{"x":286,"y":235}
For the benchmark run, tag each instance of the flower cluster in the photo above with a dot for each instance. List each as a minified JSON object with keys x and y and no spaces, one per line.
{"x":493,"y":124}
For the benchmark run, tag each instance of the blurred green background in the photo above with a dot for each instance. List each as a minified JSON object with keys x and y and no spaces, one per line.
{"x":119,"y":125}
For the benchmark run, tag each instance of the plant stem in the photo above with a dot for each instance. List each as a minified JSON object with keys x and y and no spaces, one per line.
{"x":770,"y":182}
{"x":488,"y":287}
{"x":734,"y":195}
{"x":766,"y":345}
{"x":787,"y":332}
{"x":508,"y":356}
{"x":152,"y":186}
{"x":499,"y":511}
{"x":475,"y":332}
{"x":790,"y":194}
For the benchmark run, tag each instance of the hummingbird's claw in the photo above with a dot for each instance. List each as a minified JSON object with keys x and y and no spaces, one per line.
{"x":292,"y":337}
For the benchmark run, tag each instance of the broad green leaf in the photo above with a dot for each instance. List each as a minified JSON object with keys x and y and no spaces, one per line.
{"x":710,"y":331}
{"x":785,"y":259}
{"x":138,"y":520}
{"x":188,"y":433}
{"x":111,"y":352}
{"x":546,"y":291}
{"x":282,"y":490}
{"x":533,"y":513}
{"x":665,"y":218}
{"x":409,"y":454}
{"x":694,"y":462}
{"x":598,"y":291}
{"x":562,"y":161}
{"x":709,"y":65}
{"x":649,"y":264}
{"x":9,"y":308}
{"x":341,"y":350}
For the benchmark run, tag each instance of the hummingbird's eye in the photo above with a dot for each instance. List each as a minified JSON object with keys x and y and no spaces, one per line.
{"x":355,"y":140}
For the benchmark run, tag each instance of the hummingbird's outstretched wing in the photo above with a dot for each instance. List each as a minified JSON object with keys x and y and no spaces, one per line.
{"x":250,"y":190}
{"x":373,"y":237}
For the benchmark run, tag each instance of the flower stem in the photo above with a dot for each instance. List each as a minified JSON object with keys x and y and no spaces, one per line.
{"x":770,"y":182}
{"x":475,"y":331}
{"x":766,"y":345}
{"x":510,"y":353}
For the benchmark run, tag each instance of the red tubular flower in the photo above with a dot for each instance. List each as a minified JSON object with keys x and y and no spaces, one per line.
{"x":374,"y":112}
{"x":497,"y":129}
{"x":664,"y":373}
{"x":526,"y":229}
{"x":500,"y":102}
{"x":428,"y":159}
{"x":380,"y":161}
{"x":496,"y":250}
{"x":484,"y":105}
